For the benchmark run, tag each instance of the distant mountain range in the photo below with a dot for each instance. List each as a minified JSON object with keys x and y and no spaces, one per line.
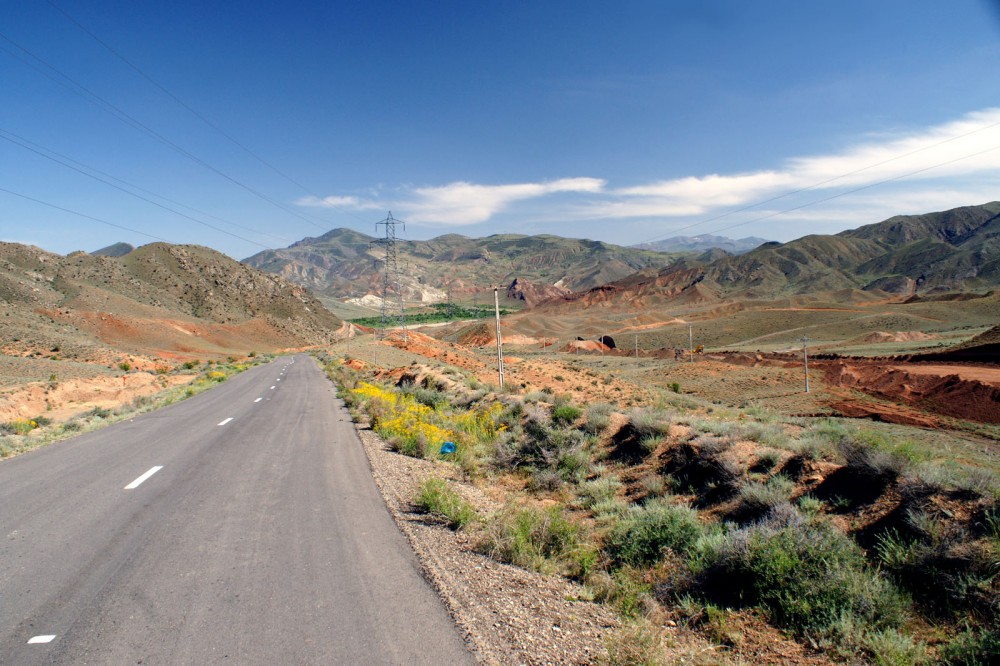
{"x":703,"y":243}
{"x":907,"y":255}
{"x":345,"y":264}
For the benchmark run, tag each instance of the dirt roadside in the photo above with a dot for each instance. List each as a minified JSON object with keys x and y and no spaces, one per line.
{"x":508,"y":615}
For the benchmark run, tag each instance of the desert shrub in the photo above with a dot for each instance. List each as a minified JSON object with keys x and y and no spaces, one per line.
{"x":539,"y":539}
{"x":937,"y":563}
{"x":545,"y":479}
{"x":808,"y":576}
{"x":574,"y":463}
{"x":436,"y":498}
{"x":624,"y":588}
{"x":638,"y":643}
{"x":20,"y":426}
{"x":216,"y":376}
{"x":870,"y":463}
{"x":699,"y":467}
{"x":565,"y":414}
{"x":533,"y":397}
{"x":648,"y":422}
{"x":124,"y":366}
{"x":656,"y":485}
{"x":890,"y":647}
{"x":973,"y":648}
{"x":429,"y":397}
{"x":762,"y":433}
{"x":757,"y":499}
{"x":598,"y":490}
{"x":650,"y":443}
{"x":598,"y":417}
{"x":190,"y":365}
{"x":645,"y":531}
{"x":810,"y":506}
{"x":768,"y":459}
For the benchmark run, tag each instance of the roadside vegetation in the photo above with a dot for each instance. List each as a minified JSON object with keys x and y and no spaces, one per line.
{"x":856,"y":545}
{"x":21,"y":435}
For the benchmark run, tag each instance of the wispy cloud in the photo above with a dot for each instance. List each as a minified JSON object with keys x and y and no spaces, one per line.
{"x":338,"y":202}
{"x":469,"y":203}
{"x":966,"y":149}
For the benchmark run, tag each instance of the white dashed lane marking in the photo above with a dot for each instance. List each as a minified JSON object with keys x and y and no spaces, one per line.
{"x":258,"y":399}
{"x":41,"y":639}
{"x":138,"y":482}
{"x":225,"y":421}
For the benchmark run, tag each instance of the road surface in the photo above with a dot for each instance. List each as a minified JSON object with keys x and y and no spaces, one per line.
{"x":240,"y":526}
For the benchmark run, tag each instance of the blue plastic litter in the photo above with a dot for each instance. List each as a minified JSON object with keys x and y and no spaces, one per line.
{"x":448,"y":447}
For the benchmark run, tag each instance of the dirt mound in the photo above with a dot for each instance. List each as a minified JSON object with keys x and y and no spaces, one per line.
{"x":946,"y":393}
{"x":585,"y":345}
{"x":899,"y":336}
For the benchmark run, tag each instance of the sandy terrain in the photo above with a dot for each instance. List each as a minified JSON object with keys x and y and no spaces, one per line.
{"x":61,"y":401}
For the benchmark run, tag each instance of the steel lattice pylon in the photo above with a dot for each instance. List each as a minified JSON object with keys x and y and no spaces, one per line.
{"x":392,"y":314}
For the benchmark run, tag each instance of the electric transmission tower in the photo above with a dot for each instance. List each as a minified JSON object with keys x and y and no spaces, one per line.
{"x":392,"y":314}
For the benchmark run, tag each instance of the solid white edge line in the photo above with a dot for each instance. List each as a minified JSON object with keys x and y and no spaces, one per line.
{"x":135,"y":484}
{"x":225,"y":421}
{"x":41,"y":639}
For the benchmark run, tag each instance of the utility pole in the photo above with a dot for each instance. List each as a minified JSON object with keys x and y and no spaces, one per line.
{"x":391,"y":276}
{"x":805,"y":362}
{"x":637,"y":346}
{"x":496,"y":304}
{"x":691,"y":342}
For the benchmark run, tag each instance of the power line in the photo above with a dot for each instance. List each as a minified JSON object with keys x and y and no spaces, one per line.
{"x":122,"y":189}
{"x":38,"y":150}
{"x":123,"y":116}
{"x":78,"y":213}
{"x":191,"y":110}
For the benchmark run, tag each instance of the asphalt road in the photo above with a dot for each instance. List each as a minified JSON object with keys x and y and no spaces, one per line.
{"x":239,"y":526}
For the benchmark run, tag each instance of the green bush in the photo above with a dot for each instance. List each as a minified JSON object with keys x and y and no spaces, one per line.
{"x":538,"y":539}
{"x":972,"y":648}
{"x":598,"y":417}
{"x":565,"y":414}
{"x":808,"y":576}
{"x":757,"y":499}
{"x":598,"y":490}
{"x":645,"y":531}
{"x":437,"y":499}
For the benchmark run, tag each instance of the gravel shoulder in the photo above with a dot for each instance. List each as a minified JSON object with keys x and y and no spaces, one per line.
{"x":508,"y":615}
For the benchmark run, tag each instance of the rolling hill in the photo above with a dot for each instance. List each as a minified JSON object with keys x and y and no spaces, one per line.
{"x":905,"y":256}
{"x":159,"y":299}
{"x":345,"y":264}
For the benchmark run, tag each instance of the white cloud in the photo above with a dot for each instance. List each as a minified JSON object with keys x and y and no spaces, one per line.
{"x":933,"y":168}
{"x":337,"y":202}
{"x":469,"y":203}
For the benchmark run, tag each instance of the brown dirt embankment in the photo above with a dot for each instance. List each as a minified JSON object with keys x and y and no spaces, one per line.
{"x":963,"y":392}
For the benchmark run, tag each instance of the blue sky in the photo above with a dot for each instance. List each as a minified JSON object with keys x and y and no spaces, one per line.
{"x":257,"y":124}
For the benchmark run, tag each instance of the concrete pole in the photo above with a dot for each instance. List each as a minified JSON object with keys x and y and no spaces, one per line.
{"x":805,"y":362}
{"x":496,"y":303}
{"x":691,"y":342}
